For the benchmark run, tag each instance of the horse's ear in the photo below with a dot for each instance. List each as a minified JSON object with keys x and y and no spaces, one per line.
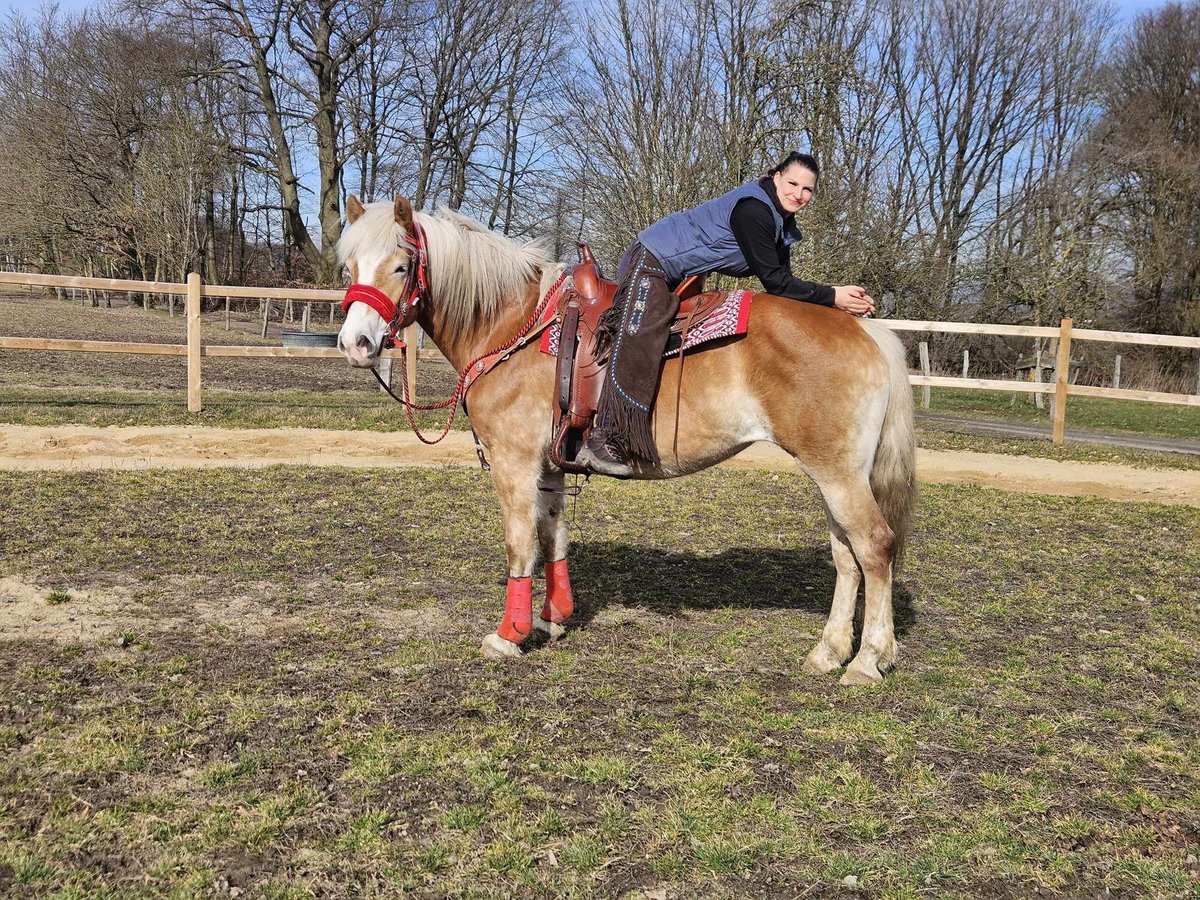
{"x":354,"y":209}
{"x":403,"y":210}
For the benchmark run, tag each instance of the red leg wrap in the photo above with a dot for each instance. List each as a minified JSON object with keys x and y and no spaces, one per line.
{"x":559,"y":602}
{"x":518,"y":611}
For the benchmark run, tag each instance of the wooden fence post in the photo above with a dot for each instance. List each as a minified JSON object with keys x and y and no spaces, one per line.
{"x":923,"y":348}
{"x":1062,"y":375}
{"x":193,"y":342}
{"x":966,"y":362}
{"x":1117,"y":372}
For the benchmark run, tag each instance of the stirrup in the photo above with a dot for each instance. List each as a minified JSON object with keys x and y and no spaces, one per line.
{"x":613,"y":468}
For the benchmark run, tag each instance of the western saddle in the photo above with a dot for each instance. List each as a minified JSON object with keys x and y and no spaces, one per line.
{"x":580,"y":373}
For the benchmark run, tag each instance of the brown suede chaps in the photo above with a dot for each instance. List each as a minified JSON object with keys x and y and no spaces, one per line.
{"x":634,"y":332}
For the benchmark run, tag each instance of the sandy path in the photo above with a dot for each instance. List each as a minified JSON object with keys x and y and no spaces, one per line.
{"x":29,"y":448}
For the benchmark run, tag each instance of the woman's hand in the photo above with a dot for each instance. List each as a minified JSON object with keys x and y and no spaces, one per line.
{"x":853,"y":299}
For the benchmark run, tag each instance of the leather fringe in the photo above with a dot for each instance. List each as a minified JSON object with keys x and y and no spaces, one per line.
{"x":628,"y":427}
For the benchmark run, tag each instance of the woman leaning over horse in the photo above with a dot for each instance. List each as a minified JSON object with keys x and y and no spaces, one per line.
{"x":748,"y":231}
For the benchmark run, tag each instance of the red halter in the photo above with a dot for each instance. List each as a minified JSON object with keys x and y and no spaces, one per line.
{"x":397,"y":316}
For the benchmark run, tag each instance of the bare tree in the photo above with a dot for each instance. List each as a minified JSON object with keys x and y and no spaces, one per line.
{"x":645,"y":102}
{"x":253,"y":29}
{"x":967,"y":80}
{"x":327,"y":35}
{"x":1149,"y":142}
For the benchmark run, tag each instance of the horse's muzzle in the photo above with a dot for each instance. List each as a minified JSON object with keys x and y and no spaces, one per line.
{"x":362,"y":354}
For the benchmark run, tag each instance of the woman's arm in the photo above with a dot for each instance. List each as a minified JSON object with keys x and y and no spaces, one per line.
{"x":754,"y":229}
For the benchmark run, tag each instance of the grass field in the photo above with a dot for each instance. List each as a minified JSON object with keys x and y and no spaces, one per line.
{"x":268,"y":682}
{"x":1093,"y":413}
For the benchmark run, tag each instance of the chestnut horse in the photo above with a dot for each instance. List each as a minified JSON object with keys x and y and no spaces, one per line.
{"x":830,"y":389}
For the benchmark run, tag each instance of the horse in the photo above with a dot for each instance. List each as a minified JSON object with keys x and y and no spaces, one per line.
{"x":829,"y":388}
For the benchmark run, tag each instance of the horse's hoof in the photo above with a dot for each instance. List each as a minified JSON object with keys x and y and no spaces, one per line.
{"x":552,"y":630}
{"x":821,"y":660}
{"x":859,"y":674}
{"x":496,"y":647}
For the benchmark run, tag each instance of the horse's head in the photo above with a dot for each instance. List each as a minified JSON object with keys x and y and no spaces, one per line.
{"x":381,"y":248}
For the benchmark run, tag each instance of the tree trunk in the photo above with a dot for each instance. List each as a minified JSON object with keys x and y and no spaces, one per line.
{"x":211,"y":273}
{"x":286,"y":178}
{"x":330,"y":178}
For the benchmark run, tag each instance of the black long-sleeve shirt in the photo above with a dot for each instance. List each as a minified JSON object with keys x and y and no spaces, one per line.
{"x":770,"y":260}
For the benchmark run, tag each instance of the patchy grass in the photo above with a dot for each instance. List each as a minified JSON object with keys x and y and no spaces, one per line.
{"x":302,"y":711}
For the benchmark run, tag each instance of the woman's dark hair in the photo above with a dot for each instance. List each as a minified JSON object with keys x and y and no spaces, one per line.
{"x":806,"y":161}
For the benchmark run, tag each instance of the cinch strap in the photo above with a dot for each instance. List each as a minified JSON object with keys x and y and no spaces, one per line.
{"x":373,"y":297}
{"x":559,"y":602}
{"x":518,"y":611}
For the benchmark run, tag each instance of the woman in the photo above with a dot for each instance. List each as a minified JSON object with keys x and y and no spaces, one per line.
{"x":748,"y":231}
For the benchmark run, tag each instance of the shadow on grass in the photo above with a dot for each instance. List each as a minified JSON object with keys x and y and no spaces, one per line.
{"x":669,"y":583}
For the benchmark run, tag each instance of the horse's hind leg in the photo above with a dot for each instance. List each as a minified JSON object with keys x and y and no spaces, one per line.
{"x":552,"y":535}
{"x":516,"y":481}
{"x":854,"y":511}
{"x":837,"y":639}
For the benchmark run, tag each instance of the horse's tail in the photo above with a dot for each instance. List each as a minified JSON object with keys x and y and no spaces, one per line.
{"x":894,"y":472}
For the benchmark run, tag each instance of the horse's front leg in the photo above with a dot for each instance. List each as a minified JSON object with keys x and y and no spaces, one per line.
{"x":516,"y":481}
{"x":552,"y":535}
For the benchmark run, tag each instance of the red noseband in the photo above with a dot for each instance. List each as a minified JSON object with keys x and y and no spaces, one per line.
{"x":373,"y":297}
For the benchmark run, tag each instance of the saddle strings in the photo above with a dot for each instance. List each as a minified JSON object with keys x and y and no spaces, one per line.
{"x":573,"y":491}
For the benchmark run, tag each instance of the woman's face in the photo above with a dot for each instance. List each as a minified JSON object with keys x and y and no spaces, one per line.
{"x":794,"y":186}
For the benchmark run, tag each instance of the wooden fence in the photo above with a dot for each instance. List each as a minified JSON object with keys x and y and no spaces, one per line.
{"x":194,"y":349}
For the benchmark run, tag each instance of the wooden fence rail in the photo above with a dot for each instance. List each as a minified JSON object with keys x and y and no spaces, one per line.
{"x":194,"y":349}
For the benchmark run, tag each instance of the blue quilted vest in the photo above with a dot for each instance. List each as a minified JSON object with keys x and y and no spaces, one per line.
{"x":698,"y":241}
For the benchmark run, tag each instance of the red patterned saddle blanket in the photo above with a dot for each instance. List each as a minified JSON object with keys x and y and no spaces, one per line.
{"x":728,"y":318}
{"x":571,"y":337}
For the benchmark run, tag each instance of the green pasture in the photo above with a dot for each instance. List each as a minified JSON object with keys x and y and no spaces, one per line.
{"x":1093,"y":413}
{"x":268,"y":681}
{"x":938,"y":437}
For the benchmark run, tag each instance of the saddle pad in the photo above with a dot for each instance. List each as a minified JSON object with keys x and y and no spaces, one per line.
{"x":731,"y":318}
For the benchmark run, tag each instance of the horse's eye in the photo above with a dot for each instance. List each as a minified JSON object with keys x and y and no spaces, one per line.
{"x":401,"y":269}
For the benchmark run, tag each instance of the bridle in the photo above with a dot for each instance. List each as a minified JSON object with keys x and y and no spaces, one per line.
{"x":400,"y":315}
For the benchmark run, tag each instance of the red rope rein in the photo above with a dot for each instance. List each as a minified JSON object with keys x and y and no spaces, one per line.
{"x":461,"y":387}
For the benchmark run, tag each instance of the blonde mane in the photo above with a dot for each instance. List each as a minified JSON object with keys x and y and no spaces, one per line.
{"x":472,"y":271}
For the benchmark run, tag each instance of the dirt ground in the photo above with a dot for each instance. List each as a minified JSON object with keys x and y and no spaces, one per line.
{"x":30,"y":448}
